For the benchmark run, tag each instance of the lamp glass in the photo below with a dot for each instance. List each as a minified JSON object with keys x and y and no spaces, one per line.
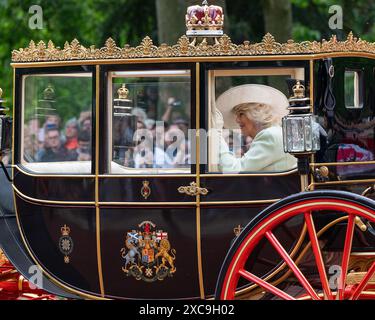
{"x":301,"y":133}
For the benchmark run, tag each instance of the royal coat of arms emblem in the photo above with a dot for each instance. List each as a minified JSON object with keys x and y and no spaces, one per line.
{"x":148,"y":254}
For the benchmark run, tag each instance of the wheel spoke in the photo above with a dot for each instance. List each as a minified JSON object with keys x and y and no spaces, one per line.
{"x":265,"y":285}
{"x":362,"y":285}
{"x":279,"y":248}
{"x":318,"y":255}
{"x":346,"y":256}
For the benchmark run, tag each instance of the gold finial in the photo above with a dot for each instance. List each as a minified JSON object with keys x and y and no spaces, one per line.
{"x":1,"y":93}
{"x":65,"y":230}
{"x":299,"y":90}
{"x":123,"y":92}
{"x":49,"y":93}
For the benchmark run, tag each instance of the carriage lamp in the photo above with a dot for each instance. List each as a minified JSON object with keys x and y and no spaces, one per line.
{"x":301,"y":134}
{"x":46,"y":105}
{"x":5,"y":127}
{"x":300,"y":128}
{"x":125,"y":121}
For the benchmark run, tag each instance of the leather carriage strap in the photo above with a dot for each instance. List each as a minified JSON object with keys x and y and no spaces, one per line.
{"x":329,"y":100}
{"x":325,"y":99}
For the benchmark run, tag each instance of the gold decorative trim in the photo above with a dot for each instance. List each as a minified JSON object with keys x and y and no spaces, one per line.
{"x":50,"y":202}
{"x":237,"y":230}
{"x":198,"y":183}
{"x":66,"y":243}
{"x":138,"y":204}
{"x":328,"y":183}
{"x":97,"y":197}
{"x":146,"y":189}
{"x":312,"y":104}
{"x":223,"y":46}
{"x":193,"y":190}
{"x":349,"y":163}
{"x":294,"y":57}
{"x":141,"y":176}
{"x":148,"y":204}
{"x":240,"y":175}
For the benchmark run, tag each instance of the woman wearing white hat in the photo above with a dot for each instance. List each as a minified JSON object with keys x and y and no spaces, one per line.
{"x":257,"y":110}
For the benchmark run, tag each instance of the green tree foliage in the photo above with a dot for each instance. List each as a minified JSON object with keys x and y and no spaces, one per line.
{"x":311,"y":19}
{"x":90,"y":21}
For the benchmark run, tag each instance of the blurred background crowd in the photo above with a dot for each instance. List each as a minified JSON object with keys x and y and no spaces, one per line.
{"x":54,"y":141}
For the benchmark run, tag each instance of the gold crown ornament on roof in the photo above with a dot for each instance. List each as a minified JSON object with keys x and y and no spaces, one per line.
{"x":205,"y":20}
{"x":1,"y":93}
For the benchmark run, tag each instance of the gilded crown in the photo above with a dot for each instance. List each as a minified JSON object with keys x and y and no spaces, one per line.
{"x":65,"y":230}
{"x":1,"y":93}
{"x":123,"y":92}
{"x":205,"y":20}
{"x":298,"y":91}
{"x":49,"y":93}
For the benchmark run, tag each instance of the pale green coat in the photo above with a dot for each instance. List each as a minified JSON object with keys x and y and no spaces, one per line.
{"x":266,"y":154}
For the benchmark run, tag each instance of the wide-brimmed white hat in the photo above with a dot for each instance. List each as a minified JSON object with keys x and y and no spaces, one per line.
{"x":250,"y":93}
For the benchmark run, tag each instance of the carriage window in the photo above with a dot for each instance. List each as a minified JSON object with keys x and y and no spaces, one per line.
{"x":245,"y":111}
{"x":150,"y":122}
{"x":353,"y":89}
{"x":57,"y":123}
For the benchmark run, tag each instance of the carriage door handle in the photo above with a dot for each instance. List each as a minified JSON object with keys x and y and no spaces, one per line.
{"x":193,"y":190}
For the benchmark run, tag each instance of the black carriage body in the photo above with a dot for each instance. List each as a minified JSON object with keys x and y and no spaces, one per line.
{"x":78,"y":227}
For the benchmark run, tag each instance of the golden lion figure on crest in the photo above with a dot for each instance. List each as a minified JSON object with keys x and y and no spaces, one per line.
{"x":164,"y":248}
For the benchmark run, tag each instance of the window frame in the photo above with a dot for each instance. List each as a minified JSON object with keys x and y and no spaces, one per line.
{"x":105,"y":117}
{"x":20,"y":75}
{"x":247,"y":68}
{"x":359,"y":88}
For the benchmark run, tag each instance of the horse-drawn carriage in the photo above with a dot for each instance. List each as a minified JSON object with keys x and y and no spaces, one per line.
{"x":115,"y":189}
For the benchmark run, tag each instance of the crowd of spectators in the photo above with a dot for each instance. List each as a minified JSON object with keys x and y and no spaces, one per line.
{"x":166,"y":144}
{"x":55,"y":142}
{"x":161,"y":143}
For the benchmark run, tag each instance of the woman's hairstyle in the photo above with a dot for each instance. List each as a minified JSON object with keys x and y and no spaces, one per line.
{"x":262,"y":114}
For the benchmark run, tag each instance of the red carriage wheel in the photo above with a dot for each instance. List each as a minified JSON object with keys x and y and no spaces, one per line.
{"x":311,"y":209}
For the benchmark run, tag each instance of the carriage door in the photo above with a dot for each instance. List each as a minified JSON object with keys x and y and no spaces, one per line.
{"x":147,"y":168}
{"x":236,"y":195}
